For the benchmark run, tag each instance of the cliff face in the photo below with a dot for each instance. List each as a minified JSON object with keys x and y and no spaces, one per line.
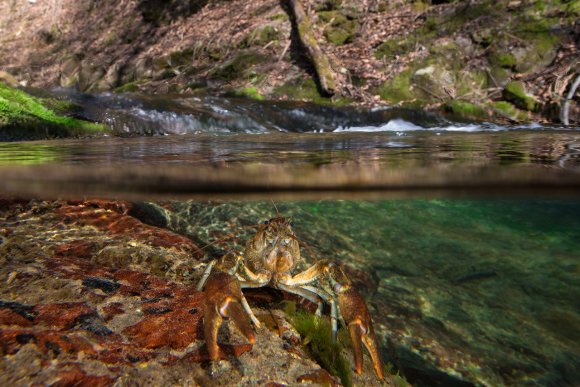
{"x":511,"y":60}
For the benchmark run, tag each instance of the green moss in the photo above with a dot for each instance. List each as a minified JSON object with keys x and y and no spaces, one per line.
{"x":515,"y":93}
{"x":504,"y":60}
{"x":23,"y":116}
{"x":305,"y":90}
{"x":237,"y":67}
{"x":339,"y":29}
{"x":316,"y":335}
{"x":506,"y":109}
{"x":397,"y":89}
{"x":573,"y":8}
{"x":248,"y":92}
{"x":60,"y":106}
{"x":466,"y":109}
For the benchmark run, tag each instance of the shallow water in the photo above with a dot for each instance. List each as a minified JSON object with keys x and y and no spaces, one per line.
{"x":473,"y":273}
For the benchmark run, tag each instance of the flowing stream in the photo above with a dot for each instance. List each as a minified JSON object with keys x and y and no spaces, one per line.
{"x":470,"y":231}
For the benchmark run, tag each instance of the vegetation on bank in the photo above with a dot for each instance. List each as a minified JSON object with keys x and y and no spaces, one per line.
{"x":24,"y":117}
{"x":484,"y":59}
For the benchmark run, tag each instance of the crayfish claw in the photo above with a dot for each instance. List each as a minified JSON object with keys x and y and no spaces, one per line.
{"x":223,"y":299}
{"x":232,"y":309}
{"x":360,"y":327}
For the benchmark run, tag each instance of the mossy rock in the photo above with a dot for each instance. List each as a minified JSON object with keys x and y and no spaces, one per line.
{"x":515,"y":92}
{"x":301,"y":90}
{"x":505,"y":60}
{"x":541,"y":44}
{"x":307,"y":90}
{"x":507,"y":110}
{"x":398,"y":89}
{"x":23,"y":116}
{"x":466,"y":110}
{"x":431,"y":83}
{"x":237,"y":67}
{"x":247,"y":92}
{"x":340,"y":29}
{"x":499,"y":76}
{"x":262,"y":36}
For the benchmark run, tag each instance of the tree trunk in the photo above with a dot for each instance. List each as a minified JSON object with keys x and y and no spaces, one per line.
{"x":313,"y":52}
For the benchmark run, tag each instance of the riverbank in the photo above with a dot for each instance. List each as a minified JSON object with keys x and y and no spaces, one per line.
{"x":514,"y":61}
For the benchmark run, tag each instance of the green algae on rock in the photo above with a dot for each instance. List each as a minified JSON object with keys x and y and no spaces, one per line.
{"x":515,"y":93}
{"x":248,"y":92}
{"x":315,"y":333}
{"x":466,"y":109}
{"x":23,"y":116}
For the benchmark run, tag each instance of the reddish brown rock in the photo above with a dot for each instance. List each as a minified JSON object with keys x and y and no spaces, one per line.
{"x":72,"y":375}
{"x":76,"y":249}
{"x":113,"y":218}
{"x":62,"y":316}
{"x":8,"y":317}
{"x":176,"y":328}
{"x":146,"y":285}
{"x":50,"y":342}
